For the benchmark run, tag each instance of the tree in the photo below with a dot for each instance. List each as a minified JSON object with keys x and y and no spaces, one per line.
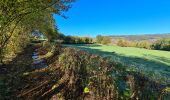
{"x":162,"y":44}
{"x":103,"y":39}
{"x":28,"y":15}
{"x":106,"y":40}
{"x":143,"y":44}
{"x":99,"y":38}
{"x":123,"y":43}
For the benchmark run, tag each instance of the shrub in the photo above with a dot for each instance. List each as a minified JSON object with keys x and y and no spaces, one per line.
{"x":162,"y":44}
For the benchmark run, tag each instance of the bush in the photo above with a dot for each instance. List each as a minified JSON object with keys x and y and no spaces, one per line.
{"x":162,"y":44}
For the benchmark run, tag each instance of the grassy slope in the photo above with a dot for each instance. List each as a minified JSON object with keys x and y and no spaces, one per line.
{"x":152,"y":62}
{"x":138,"y":52}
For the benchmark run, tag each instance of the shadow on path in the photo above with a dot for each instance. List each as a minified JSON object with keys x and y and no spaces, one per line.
{"x":12,"y":72}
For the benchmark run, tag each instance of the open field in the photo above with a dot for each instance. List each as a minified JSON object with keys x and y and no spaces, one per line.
{"x":153,"y":63}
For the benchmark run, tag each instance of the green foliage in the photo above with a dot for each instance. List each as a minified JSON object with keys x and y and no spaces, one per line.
{"x":162,"y":44}
{"x":74,"y":39}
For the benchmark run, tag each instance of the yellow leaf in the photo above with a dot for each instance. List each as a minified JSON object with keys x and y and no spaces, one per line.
{"x":86,"y":90}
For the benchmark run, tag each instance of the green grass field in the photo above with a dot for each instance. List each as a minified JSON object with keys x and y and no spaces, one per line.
{"x":154,"y":63}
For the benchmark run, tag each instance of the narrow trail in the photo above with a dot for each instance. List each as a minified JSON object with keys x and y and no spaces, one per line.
{"x":11,"y":80}
{"x":37,"y":61}
{"x":43,"y":81}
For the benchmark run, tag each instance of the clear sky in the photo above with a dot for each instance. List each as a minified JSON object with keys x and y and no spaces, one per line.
{"x":116,"y":17}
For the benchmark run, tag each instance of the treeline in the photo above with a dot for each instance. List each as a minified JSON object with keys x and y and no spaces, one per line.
{"x":162,"y":44}
{"x":74,"y":39}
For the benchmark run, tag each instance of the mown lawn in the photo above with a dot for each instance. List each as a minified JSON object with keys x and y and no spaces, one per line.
{"x":154,"y":63}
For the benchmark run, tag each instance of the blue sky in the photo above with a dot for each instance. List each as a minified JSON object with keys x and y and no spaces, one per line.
{"x":116,"y":17}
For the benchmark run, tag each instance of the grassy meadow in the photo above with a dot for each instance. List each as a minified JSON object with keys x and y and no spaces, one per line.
{"x":153,"y":63}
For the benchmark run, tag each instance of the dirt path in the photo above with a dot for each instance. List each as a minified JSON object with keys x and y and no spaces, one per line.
{"x":10,"y":78}
{"x":37,"y":61}
{"x":27,"y":77}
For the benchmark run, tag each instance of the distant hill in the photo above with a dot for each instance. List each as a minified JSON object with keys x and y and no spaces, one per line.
{"x":145,"y":37}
